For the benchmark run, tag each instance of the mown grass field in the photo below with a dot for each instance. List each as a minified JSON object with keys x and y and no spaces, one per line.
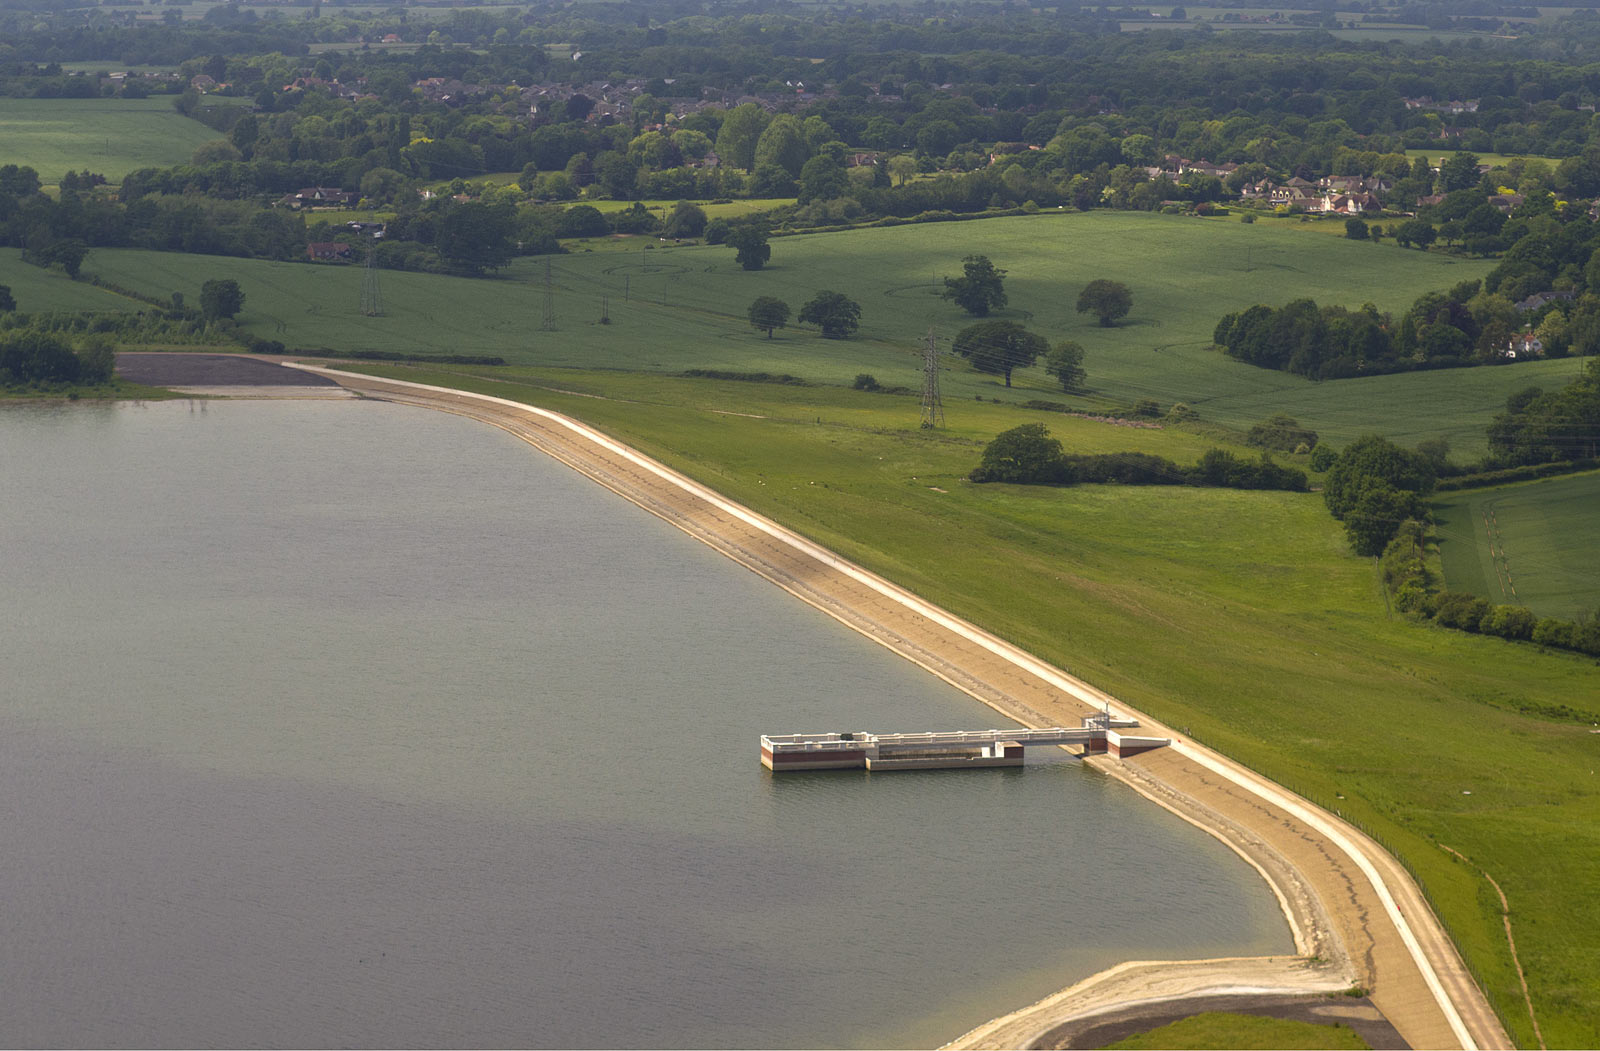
{"x":109,"y":136}
{"x":1530,"y":544}
{"x":675,"y":308}
{"x":1223,"y":1029}
{"x":1238,"y":616}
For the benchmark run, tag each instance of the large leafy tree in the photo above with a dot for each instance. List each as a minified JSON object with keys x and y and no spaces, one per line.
{"x":768,"y":313}
{"x":220,"y":298}
{"x":997,"y":347}
{"x":475,"y":237}
{"x":834,"y":312}
{"x":1065,"y":363}
{"x":1108,"y":301}
{"x":1373,"y":462}
{"x":749,"y":243}
{"x":1025,"y":454}
{"x":979,"y":289}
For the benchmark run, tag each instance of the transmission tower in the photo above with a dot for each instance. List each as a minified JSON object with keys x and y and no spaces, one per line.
{"x":549,"y":322}
{"x":371,"y":298}
{"x":932,"y":404}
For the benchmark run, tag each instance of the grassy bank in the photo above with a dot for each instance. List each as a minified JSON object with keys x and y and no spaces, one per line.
{"x":1239,"y":616}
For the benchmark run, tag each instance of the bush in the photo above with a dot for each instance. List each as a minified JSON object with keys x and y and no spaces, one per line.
{"x":1282,"y":432}
{"x":866,"y":381}
{"x":1552,"y":632}
{"x":1508,"y":622}
{"x":1322,"y":457}
{"x":1456,"y":609}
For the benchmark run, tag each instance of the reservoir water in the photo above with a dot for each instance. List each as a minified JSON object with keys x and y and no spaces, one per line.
{"x":358,"y":725}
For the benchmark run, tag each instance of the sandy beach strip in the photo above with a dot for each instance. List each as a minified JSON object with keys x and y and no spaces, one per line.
{"x":1357,"y":917}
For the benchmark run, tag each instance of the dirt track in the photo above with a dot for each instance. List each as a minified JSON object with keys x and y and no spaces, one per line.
{"x":1357,"y":916}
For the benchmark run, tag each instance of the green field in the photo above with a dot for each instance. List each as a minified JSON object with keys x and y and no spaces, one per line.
{"x":674,"y":308}
{"x":1239,"y":617}
{"x":1497,"y":160}
{"x":109,"y":136}
{"x":1529,"y":544}
{"x":1223,"y":1029}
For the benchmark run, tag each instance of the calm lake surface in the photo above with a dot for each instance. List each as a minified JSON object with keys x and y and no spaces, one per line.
{"x":353,"y":724}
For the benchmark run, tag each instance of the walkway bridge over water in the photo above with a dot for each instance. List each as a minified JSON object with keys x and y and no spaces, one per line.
{"x":957,"y":749}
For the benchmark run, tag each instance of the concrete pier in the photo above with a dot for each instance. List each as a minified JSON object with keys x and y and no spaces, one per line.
{"x":1100,"y":734}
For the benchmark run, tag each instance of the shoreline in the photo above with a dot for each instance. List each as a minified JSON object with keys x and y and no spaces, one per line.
{"x":1377,"y":932}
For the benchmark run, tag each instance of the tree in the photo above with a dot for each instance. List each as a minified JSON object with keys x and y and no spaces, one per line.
{"x":749,"y":242}
{"x":834,"y":312}
{"x":1356,"y":229}
{"x":7,"y":303}
{"x":220,"y":298}
{"x":822,"y":178}
{"x":1025,"y":454}
{"x":1415,"y":232}
{"x":783,"y":143}
{"x":741,"y":130}
{"x":1109,"y":301}
{"x":69,"y":252}
{"x":687,"y":220}
{"x":1376,"y":517}
{"x":980,"y":289}
{"x":997,"y":347}
{"x":1370,"y":462}
{"x":768,"y":313}
{"x":1065,"y":363}
{"x":475,"y":237}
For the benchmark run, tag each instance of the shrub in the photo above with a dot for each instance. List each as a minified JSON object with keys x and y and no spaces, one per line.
{"x":866,"y":381}
{"x":1508,"y":622}
{"x":1456,"y":609}
{"x":1552,"y":632}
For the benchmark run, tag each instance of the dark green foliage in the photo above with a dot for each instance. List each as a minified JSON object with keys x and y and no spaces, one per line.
{"x":1374,"y":462}
{"x":1356,"y":229}
{"x":220,"y":298}
{"x":1108,"y":301}
{"x":768,"y":313}
{"x":583,"y":220}
{"x":866,"y":381}
{"x":1282,"y":432}
{"x":1378,"y":513}
{"x":980,"y":289}
{"x":749,"y":242}
{"x":32,"y":358}
{"x":475,"y":237}
{"x":1029,"y":456}
{"x":747,"y":377}
{"x":834,"y":312}
{"x":1065,"y":363}
{"x":1323,"y":457}
{"x":997,"y":347}
{"x":687,"y":220}
{"x":1025,"y":455}
{"x":1222,"y":469}
{"x":1542,"y":428}
{"x":7,"y":302}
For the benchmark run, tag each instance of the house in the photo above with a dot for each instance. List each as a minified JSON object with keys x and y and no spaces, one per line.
{"x":1506,"y":202}
{"x":1351,"y":204}
{"x":321,"y":196}
{"x":1524,"y":345}
{"x":1539,"y":299}
{"x":328,"y":251}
